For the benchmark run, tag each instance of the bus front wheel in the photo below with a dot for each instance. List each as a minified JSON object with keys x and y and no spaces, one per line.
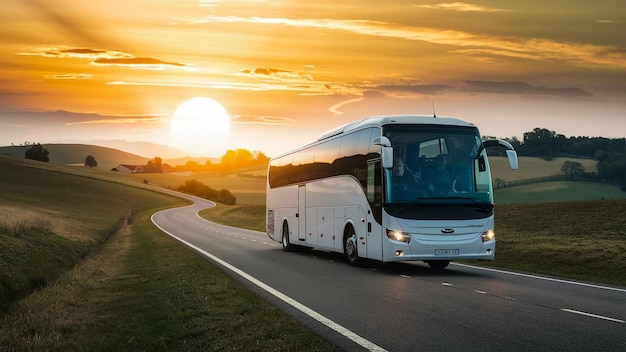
{"x":438,"y":264}
{"x":287,"y":247}
{"x":350,"y":247}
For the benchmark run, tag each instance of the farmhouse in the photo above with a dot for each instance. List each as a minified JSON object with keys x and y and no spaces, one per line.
{"x":131,"y":169}
{"x":137,"y":169}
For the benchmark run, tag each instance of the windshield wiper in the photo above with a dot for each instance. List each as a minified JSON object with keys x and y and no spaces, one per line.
{"x":482,"y":207}
{"x":417,"y":200}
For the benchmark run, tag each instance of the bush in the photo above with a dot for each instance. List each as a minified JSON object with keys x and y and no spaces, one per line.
{"x":37,"y":152}
{"x":199,"y":189}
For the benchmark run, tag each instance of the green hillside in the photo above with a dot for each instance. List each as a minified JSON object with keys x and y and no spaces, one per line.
{"x":77,"y":274}
{"x":560,"y":191}
{"x":107,"y":158}
{"x":531,"y":167}
{"x":75,"y":154}
{"x":50,"y":218}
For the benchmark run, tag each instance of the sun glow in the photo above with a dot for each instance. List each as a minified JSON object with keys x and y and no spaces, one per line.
{"x":200,"y":125}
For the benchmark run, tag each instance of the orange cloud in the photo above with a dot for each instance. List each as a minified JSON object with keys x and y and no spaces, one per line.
{"x":262,"y":120}
{"x":463,"y":7}
{"x":69,"y":76}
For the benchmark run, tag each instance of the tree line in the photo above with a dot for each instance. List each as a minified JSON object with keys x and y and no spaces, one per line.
{"x":540,"y":142}
{"x":610,"y":153}
{"x":232,"y":160}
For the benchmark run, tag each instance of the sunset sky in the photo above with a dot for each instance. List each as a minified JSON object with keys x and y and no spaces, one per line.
{"x":285,"y":71}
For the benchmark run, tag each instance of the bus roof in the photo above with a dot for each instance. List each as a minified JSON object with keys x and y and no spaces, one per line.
{"x":394,"y":119}
{"x":381,"y":121}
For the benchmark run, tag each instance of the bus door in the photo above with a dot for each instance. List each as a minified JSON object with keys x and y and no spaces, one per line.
{"x":302,"y":213}
{"x":374,"y":210}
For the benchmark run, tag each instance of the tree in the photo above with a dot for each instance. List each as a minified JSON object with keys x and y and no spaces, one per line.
{"x":37,"y":152}
{"x":261,"y":158}
{"x":90,"y":161}
{"x":572,"y":169}
{"x":229,"y":158}
{"x":154,"y":165}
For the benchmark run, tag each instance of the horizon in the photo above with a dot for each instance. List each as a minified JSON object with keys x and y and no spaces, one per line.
{"x":284,"y":72}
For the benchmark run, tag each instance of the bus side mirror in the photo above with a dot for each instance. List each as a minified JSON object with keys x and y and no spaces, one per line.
{"x":386,"y":151}
{"x":510,"y":151}
{"x":512,"y":155}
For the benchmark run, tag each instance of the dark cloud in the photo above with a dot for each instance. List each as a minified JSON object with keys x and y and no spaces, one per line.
{"x":372,"y":94}
{"x":275,"y":73}
{"x":106,"y":57}
{"x":521,"y":88}
{"x":135,"y":61}
{"x":83,"y":51}
{"x":414,"y":88}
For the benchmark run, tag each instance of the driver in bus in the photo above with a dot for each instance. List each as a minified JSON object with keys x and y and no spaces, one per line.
{"x":404,"y":178}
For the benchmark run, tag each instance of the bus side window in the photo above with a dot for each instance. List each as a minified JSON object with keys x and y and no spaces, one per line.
{"x":375,"y":188}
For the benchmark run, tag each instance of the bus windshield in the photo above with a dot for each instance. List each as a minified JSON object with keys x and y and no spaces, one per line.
{"x":437,"y":165}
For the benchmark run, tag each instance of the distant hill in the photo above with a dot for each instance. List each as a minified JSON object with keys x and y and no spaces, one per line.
{"x":107,"y":158}
{"x":145,"y":149}
{"x":75,"y":154}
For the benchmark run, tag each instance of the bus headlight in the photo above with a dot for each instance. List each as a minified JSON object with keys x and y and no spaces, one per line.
{"x":488,"y":235}
{"x":399,"y":235}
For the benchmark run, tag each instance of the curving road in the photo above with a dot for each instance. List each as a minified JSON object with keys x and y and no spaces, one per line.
{"x":406,"y":306}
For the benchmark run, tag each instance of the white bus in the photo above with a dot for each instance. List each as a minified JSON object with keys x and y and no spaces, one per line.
{"x":346,"y":192}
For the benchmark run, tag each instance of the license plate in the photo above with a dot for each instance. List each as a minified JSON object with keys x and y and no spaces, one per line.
{"x":444,"y":252}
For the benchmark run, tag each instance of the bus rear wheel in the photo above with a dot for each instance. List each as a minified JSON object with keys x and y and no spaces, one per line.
{"x":350,"y":247}
{"x":287,"y":247}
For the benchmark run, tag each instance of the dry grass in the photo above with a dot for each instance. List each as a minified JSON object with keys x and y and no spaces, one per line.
{"x":144,"y":291}
{"x":44,"y":319}
{"x":18,"y":220}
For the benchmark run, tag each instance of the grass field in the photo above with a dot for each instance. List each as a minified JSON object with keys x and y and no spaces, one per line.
{"x":559,"y":191}
{"x":531,"y":167}
{"x":75,"y":276}
{"x":583,"y":240}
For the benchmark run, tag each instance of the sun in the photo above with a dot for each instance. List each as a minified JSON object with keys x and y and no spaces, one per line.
{"x":201,"y":116}
{"x":200,"y":125}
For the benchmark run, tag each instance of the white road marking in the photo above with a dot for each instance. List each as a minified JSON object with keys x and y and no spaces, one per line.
{"x":370,"y":346}
{"x":543,"y":278}
{"x":593,"y":315}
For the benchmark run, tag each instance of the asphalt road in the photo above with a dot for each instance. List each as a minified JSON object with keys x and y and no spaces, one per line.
{"x":407,"y":306}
